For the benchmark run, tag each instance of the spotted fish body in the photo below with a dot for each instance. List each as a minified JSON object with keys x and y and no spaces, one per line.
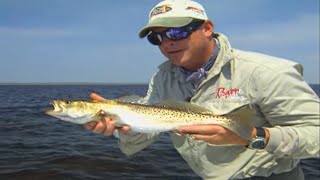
{"x":165,"y":116}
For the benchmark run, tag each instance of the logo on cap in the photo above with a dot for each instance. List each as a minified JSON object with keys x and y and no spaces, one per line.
{"x":194,"y":9}
{"x":160,"y":10}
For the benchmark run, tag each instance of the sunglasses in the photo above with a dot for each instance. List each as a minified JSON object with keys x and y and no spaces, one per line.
{"x":174,"y":34}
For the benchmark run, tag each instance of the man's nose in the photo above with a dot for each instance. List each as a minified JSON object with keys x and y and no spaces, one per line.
{"x":167,"y":42}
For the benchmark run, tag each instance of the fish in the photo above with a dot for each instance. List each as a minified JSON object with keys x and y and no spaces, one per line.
{"x":161,"y":117}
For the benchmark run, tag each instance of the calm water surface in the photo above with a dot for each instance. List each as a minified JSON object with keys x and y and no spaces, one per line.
{"x":36,"y":146}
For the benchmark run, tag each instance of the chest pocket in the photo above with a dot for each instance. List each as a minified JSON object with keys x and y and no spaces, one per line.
{"x":220,"y":98}
{"x":224,"y":99}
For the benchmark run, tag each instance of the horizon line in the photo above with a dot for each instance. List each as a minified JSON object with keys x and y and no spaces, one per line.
{"x":85,"y":83}
{"x":72,"y":83}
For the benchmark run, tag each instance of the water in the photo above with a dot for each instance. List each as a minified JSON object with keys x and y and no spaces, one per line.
{"x":36,"y":146}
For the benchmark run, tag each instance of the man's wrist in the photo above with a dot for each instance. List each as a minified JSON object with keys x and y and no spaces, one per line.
{"x":260,"y":138}
{"x":267,"y":133}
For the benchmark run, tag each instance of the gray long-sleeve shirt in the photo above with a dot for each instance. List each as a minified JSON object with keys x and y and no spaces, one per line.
{"x":274,"y":87}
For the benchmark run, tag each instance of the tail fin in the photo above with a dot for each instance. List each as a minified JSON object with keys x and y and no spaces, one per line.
{"x":245,"y":116}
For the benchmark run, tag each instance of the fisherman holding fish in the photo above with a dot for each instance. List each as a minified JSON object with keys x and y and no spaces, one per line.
{"x":204,"y":70}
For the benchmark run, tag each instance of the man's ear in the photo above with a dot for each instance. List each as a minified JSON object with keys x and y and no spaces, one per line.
{"x":208,"y":28}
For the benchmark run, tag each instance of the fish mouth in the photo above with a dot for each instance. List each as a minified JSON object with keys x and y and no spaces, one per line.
{"x":57,"y":114}
{"x":57,"y":108}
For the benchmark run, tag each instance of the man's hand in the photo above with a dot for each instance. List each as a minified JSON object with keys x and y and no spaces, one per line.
{"x":213,"y":134}
{"x":105,"y":126}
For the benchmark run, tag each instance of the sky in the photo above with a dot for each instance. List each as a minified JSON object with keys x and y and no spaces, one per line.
{"x":96,"y":41}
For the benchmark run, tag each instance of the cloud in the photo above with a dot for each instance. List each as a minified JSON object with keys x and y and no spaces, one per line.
{"x":296,"y":39}
{"x":302,"y":30}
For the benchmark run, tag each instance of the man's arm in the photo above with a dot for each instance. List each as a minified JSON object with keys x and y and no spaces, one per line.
{"x":289,"y":105}
{"x":292,"y":108}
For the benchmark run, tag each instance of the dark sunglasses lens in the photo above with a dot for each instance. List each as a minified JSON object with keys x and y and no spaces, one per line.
{"x":154,"y":38}
{"x":177,"y":33}
{"x":174,"y":34}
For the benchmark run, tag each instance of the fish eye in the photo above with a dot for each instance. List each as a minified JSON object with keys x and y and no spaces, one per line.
{"x":68,"y":102}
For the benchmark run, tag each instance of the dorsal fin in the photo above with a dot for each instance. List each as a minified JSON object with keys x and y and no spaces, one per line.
{"x":184,"y":106}
{"x":130,"y":99}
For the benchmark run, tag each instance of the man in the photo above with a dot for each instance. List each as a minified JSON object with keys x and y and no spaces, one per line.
{"x":204,"y":69}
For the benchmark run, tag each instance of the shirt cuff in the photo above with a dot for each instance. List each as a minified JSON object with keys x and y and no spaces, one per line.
{"x":274,"y":139}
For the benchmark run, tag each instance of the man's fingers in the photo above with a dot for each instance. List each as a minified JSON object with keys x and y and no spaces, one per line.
{"x":206,"y":138}
{"x":105,"y":126}
{"x":199,"y":129}
{"x":90,"y":125}
{"x":110,"y":126}
{"x":97,"y":97}
{"x":124,"y":129}
{"x":211,"y":139}
{"x":201,"y":137}
{"x":99,"y":128}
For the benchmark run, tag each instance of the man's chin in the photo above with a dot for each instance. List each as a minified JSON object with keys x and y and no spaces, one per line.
{"x":177,"y":62}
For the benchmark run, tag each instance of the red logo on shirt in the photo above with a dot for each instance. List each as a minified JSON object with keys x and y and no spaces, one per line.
{"x":222,"y":92}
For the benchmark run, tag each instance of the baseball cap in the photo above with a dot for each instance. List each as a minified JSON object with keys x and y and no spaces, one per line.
{"x":173,"y":13}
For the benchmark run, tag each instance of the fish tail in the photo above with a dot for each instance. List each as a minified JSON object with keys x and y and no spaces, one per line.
{"x":244,"y":115}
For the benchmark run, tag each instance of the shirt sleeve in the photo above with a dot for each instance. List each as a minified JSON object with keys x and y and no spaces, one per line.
{"x":292,"y":108}
{"x":132,"y":142}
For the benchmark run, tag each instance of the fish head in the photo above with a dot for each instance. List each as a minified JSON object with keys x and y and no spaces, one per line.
{"x":79,"y":112}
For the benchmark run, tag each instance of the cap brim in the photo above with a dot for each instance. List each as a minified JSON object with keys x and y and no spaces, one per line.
{"x":165,"y":22}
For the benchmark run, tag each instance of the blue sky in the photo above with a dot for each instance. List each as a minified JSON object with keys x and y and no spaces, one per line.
{"x":97,"y":40}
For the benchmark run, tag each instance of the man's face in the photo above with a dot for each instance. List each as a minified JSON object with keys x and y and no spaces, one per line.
{"x":188,"y":53}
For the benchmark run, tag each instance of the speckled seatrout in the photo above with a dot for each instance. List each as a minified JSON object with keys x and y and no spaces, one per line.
{"x":165,"y":116}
